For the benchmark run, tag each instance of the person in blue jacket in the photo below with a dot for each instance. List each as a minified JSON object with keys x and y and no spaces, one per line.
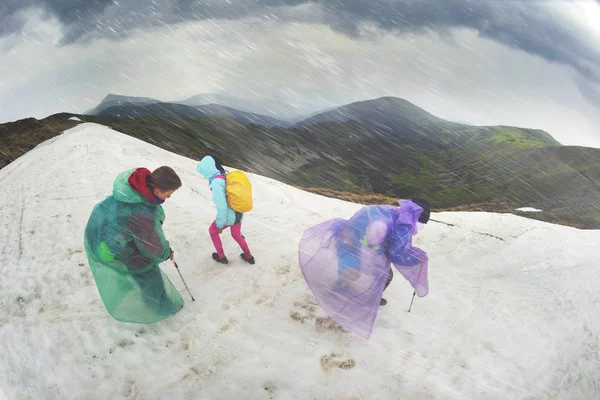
{"x":210,"y":168}
{"x":386,"y":231}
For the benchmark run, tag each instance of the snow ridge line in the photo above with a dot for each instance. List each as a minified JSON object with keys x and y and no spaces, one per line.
{"x":479,"y":233}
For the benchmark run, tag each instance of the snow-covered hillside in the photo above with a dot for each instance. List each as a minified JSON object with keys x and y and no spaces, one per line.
{"x":513,"y":310}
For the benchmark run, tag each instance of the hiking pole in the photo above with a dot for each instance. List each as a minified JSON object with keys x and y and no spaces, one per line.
{"x":413,"y":299}
{"x":186,"y":286}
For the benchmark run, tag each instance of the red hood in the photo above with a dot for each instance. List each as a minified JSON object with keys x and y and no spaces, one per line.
{"x":138,"y":181}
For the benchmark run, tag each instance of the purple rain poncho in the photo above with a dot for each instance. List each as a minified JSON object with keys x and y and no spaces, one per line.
{"x":346,"y":262}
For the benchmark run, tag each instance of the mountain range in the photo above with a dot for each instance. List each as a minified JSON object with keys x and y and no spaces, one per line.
{"x":266,"y":108}
{"x":172,"y":110}
{"x":383,"y":149}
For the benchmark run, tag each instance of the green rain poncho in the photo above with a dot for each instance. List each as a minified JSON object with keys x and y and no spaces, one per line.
{"x":124,"y":242}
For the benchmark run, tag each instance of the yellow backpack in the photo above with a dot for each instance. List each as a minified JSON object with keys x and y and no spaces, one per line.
{"x":239,"y":191}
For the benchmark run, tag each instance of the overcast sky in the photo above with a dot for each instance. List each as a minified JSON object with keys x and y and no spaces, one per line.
{"x":530,"y":63}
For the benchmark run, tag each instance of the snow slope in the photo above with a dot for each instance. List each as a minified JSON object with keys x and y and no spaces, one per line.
{"x":512,"y":311}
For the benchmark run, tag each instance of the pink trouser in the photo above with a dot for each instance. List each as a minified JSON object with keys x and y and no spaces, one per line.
{"x":236,"y":234}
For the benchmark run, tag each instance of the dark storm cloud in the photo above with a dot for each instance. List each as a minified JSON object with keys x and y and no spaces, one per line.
{"x":529,"y":26}
{"x":116,"y":19}
{"x":525,"y":25}
{"x":10,"y":20}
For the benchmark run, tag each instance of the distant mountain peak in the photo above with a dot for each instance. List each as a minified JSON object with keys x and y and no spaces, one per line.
{"x":133,"y":99}
{"x":112,"y":99}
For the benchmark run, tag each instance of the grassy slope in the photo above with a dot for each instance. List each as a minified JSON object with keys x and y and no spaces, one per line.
{"x":493,"y":168}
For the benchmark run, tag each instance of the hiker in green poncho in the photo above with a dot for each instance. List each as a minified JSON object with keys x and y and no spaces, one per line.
{"x":124,"y":242}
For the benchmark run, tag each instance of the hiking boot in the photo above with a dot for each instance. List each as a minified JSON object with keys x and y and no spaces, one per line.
{"x":248,"y":260}
{"x":218,"y":259}
{"x":383,"y":302}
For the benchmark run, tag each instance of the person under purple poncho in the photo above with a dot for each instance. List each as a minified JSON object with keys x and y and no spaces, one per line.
{"x":347,"y":263}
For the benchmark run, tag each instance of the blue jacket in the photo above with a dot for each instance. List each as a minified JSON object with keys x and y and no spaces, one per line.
{"x":397,"y":246}
{"x":225,"y":214}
